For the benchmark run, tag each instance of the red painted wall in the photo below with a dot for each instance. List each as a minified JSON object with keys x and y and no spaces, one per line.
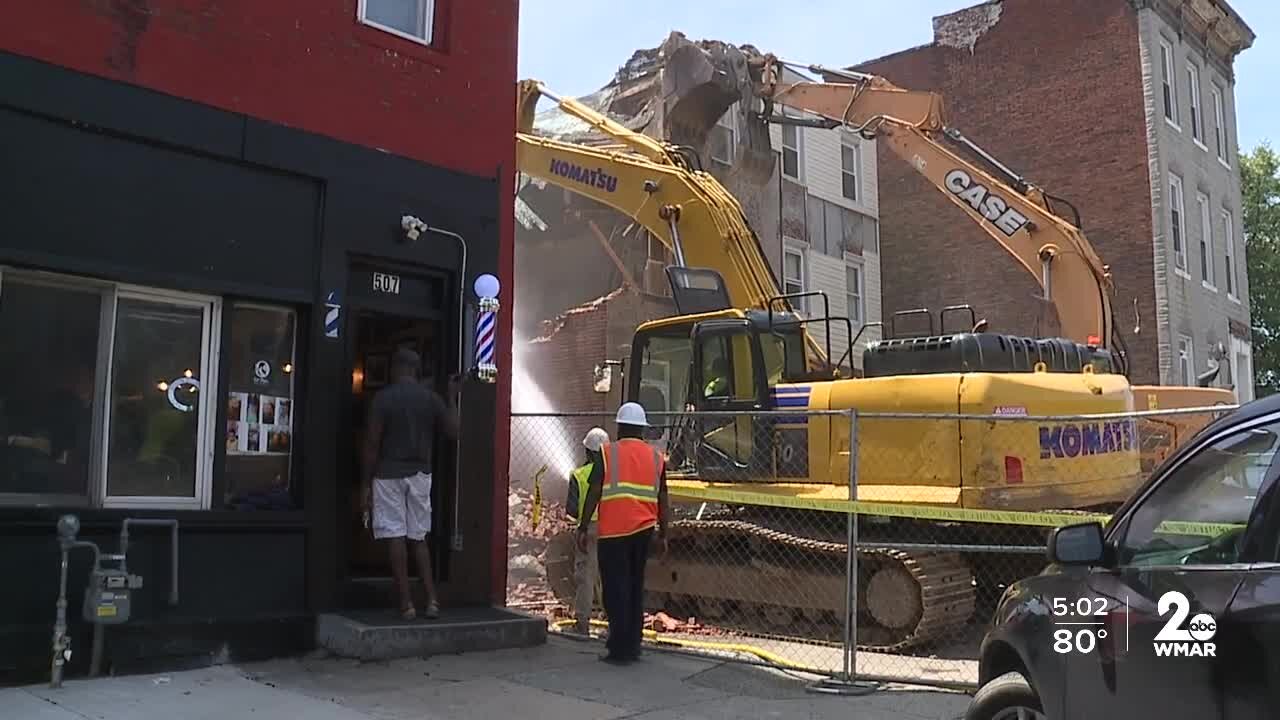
{"x":310,"y":65}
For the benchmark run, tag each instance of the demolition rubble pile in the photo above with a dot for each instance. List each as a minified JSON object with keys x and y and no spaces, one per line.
{"x":527,"y":586}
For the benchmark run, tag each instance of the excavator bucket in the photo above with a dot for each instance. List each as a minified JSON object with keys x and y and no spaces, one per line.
{"x":700,"y":83}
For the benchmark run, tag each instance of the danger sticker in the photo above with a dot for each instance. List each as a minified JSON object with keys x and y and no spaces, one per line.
{"x":1011,"y":410}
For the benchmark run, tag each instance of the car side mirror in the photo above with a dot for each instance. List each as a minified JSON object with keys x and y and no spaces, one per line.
{"x":1080,"y":544}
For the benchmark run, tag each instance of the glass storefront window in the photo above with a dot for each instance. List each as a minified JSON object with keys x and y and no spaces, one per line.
{"x":260,"y":417}
{"x":156,"y":369}
{"x":48,"y":377}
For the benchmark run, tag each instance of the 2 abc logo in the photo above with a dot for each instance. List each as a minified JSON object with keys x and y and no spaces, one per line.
{"x":1181,"y":638}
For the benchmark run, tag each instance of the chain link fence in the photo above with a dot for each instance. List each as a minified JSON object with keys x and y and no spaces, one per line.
{"x":950,"y":509}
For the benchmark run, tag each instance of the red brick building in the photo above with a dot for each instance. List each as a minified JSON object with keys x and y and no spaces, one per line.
{"x":1071,"y":94}
{"x":205,"y":267}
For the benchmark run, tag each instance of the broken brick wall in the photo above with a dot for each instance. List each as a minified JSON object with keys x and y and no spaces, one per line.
{"x":1053,"y":88}
{"x":561,"y":361}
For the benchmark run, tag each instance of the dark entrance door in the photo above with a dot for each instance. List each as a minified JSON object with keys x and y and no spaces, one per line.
{"x":390,"y":309}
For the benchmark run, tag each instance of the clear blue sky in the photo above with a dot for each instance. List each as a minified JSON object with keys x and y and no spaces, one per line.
{"x":576,"y":45}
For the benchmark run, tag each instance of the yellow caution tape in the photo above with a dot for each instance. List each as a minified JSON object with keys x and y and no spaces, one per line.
{"x":537,"y":496}
{"x":699,"y":492}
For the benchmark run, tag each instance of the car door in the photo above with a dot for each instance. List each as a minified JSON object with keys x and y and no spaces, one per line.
{"x":1180,"y":554}
{"x":1250,"y":632}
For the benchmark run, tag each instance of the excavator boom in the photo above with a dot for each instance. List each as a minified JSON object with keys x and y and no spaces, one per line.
{"x":1016,"y":214}
{"x":658,"y":186}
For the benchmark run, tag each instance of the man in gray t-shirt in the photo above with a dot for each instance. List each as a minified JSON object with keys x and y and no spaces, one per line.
{"x":404,"y":419}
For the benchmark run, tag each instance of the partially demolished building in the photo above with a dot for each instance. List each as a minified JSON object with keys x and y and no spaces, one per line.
{"x":588,"y":275}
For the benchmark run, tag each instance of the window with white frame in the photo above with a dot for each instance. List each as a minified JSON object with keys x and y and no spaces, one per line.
{"x":791,"y":153}
{"x":1229,"y":241}
{"x":854,"y":293}
{"x":1177,"y":226}
{"x":1219,"y":123}
{"x":1193,"y":93}
{"x":724,"y":137}
{"x":1186,"y":361}
{"x":793,"y":273}
{"x":412,"y":19}
{"x":1207,"y":275}
{"x":1168,"y":87}
{"x":107,"y":406}
{"x":1242,"y":351}
{"x":850,"y":166}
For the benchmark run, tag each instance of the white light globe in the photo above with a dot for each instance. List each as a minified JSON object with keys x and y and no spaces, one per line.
{"x":486,"y":286}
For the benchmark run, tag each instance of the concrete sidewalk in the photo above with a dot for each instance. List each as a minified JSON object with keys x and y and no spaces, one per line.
{"x":562,"y":680}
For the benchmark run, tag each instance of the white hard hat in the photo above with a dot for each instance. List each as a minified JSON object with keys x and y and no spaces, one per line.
{"x":596,"y":437}
{"x":632,"y":414}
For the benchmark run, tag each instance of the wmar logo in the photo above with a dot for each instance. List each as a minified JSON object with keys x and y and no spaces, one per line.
{"x":1173,"y":640}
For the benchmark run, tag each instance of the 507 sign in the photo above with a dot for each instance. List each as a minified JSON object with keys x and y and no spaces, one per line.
{"x":384,"y":283}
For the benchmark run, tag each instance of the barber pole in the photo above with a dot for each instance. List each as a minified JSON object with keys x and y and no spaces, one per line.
{"x":486,"y":288}
{"x":486,"y":336}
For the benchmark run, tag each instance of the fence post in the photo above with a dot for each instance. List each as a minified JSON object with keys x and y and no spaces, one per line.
{"x":851,"y":563}
{"x":848,"y":683}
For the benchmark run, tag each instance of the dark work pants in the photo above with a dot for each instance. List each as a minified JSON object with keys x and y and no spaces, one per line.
{"x":622,"y":563}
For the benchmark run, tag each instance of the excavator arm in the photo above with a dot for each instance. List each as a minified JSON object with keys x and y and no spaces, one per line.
{"x":658,"y":186}
{"x":1016,"y":214}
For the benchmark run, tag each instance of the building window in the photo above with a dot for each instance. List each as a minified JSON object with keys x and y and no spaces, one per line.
{"x":108,"y":408}
{"x":1167,"y":84}
{"x":1229,"y":240}
{"x":412,"y":19}
{"x":793,"y":274}
{"x":1177,"y":228}
{"x":724,"y":137}
{"x":1242,"y":373}
{"x":1219,"y":124}
{"x":50,"y":387}
{"x":1207,"y":275}
{"x":1186,"y":362}
{"x":850,"y":167}
{"x":791,"y":156}
{"x":854,"y":294}
{"x":260,"y":414}
{"x":1193,"y":92}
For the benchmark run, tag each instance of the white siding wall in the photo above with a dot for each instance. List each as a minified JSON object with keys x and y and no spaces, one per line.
{"x":823,"y":170}
{"x":821,"y":175}
{"x":826,"y":274}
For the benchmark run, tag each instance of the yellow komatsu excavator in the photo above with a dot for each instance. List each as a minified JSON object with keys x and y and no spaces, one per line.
{"x":737,"y":345}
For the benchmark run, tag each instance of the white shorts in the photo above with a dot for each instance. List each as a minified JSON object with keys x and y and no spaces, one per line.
{"x":402,"y":507}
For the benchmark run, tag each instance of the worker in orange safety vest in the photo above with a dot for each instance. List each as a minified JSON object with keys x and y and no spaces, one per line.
{"x":630,"y":488}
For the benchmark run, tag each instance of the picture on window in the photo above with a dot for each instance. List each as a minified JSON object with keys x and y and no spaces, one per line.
{"x":284,"y":408}
{"x":253,"y":438}
{"x":235,"y":406}
{"x":268,"y":410}
{"x":278,"y":441}
{"x":251,"y":409}
{"x":233,"y":435}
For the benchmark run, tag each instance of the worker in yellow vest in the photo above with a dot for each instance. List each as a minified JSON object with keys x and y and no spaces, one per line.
{"x":585,"y":566}
{"x":629,"y":486}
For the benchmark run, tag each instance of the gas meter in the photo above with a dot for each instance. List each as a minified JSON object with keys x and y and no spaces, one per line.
{"x":106,"y":600}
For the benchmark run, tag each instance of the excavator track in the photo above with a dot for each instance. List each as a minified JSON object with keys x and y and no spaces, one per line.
{"x":734,"y":572}
{"x":811,"y":582}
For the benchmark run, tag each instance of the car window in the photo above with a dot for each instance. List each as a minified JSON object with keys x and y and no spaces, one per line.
{"x":1198,"y":513}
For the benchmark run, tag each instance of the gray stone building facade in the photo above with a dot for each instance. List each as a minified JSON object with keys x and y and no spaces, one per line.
{"x":1202,"y":286}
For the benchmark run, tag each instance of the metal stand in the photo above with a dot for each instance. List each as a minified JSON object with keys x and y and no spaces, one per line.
{"x":847,"y":683}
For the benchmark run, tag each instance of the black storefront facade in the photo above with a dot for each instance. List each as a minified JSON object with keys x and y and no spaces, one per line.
{"x":194,"y":304}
